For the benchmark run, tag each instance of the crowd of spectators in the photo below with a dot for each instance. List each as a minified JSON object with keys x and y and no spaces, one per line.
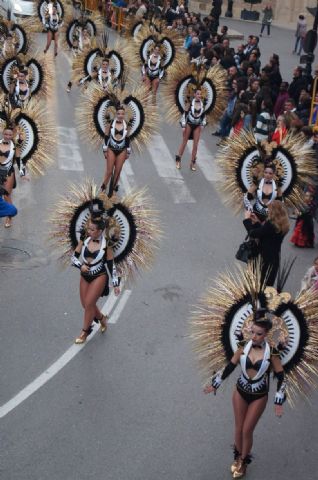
{"x":258,"y":97}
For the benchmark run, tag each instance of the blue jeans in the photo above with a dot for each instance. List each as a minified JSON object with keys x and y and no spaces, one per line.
{"x":225,"y":125}
{"x":300,"y":41}
{"x":6,"y":209}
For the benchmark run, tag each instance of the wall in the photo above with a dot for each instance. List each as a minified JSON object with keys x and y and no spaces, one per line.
{"x":285,"y":11}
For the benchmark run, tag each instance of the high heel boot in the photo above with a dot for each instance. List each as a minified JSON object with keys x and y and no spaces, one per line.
{"x":236,"y":454}
{"x":240,"y":471}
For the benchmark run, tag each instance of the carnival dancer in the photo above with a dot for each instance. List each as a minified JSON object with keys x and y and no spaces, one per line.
{"x":107,"y":67}
{"x":20,"y":90}
{"x":260,"y":173}
{"x":152,"y":72}
{"x":24,"y":76}
{"x":264,"y":192}
{"x":84,"y":44}
{"x":116,"y":148}
{"x":97,"y":262}
{"x":120,"y":119}
{"x":28,"y":140}
{"x":156,"y":48}
{"x":52,"y":24}
{"x":241,"y":322}
{"x":9,"y":152}
{"x":15,"y":38}
{"x":199,"y":95}
{"x":304,"y":234}
{"x":104,"y":240}
{"x":79,"y":34}
{"x":192,"y":122}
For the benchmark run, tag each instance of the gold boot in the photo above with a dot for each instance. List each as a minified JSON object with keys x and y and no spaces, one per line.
{"x":236,"y":459}
{"x":103,"y":323}
{"x":240,"y":471}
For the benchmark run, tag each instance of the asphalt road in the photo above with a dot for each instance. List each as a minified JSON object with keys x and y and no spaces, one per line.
{"x":130,"y":404}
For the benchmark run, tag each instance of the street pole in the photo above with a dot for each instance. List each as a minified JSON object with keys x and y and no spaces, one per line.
{"x":229,"y":12}
{"x":311,"y":46}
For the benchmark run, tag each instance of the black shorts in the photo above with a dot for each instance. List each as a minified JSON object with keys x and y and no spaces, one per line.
{"x":193,"y":127}
{"x":91,"y":278}
{"x":251,"y":397}
{"x":117,"y":151}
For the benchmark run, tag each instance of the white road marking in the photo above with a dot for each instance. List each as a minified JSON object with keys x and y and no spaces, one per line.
{"x":126,"y":182}
{"x":120,"y":307}
{"x":50,"y":372}
{"x":71,"y":352}
{"x":24,"y":194}
{"x":205,"y":161}
{"x":68,"y":58}
{"x":69,"y":154}
{"x":166,"y":168}
{"x":127,"y":168}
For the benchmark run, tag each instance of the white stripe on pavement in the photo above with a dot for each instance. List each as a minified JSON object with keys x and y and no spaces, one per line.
{"x":205,"y":161}
{"x":50,"y":372}
{"x":127,"y":168}
{"x":166,"y":168}
{"x":69,"y":154}
{"x":120,"y":307}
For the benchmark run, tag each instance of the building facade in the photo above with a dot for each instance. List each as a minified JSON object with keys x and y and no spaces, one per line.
{"x":285,"y":11}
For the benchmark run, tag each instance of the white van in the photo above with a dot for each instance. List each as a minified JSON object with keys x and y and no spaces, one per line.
{"x":15,"y":9}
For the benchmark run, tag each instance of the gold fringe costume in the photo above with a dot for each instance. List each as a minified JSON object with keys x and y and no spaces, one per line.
{"x":228,"y":308}
{"x":133,"y":226}
{"x":184,"y":79}
{"x":71,"y":30}
{"x":98,"y":109}
{"x":39,"y":74}
{"x":154,"y":34}
{"x":21,"y":41}
{"x":36,"y":135}
{"x":87,"y":64}
{"x":241,"y":161}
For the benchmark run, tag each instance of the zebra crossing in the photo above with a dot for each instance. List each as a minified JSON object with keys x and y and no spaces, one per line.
{"x":161,"y":156}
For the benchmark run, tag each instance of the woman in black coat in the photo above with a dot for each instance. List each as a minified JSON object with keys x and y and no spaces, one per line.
{"x":269,"y":235}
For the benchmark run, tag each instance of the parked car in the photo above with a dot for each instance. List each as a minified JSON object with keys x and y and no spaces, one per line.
{"x":15,"y":9}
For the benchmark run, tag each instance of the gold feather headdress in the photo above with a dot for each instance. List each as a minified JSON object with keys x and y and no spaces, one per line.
{"x":229,"y":306}
{"x":136,"y":247}
{"x":37,"y":132}
{"x":241,"y":161}
{"x":97,"y":109}
{"x":184,"y":79}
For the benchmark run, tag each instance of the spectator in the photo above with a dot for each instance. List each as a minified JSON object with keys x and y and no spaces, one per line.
{"x":280,"y":130}
{"x":303,"y":235}
{"x":254,"y":61}
{"x":303,"y":107}
{"x":142,"y":9}
{"x":281,"y":99}
{"x":298,"y":84}
{"x":289,"y":106}
{"x":265,"y":121}
{"x":188,"y":38}
{"x":195,"y":48}
{"x":267,"y":19}
{"x":311,"y":276}
{"x":253,"y":89}
{"x":270,"y":233}
{"x":224,"y":32}
{"x":300,"y":34}
{"x":238,"y":120}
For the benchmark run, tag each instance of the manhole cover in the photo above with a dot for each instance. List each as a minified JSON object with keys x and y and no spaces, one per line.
{"x":21,"y":254}
{"x":11,"y":255}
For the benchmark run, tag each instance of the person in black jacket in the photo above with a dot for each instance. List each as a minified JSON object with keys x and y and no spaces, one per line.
{"x":298,"y":84}
{"x":269,"y":233}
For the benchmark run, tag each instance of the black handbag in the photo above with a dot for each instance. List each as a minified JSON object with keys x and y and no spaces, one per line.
{"x":247,"y":250}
